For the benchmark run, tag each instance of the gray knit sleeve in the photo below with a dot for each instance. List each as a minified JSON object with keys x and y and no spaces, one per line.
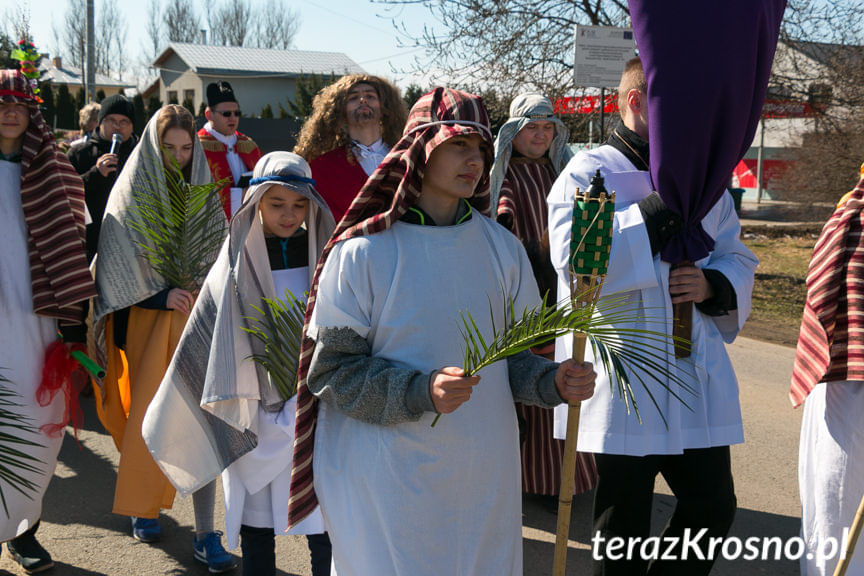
{"x":532,"y":380}
{"x":373,"y":390}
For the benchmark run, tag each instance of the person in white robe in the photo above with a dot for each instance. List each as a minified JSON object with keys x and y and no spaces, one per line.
{"x":400,"y":497}
{"x":688,"y":444}
{"x":44,"y":281}
{"x":215,"y":410}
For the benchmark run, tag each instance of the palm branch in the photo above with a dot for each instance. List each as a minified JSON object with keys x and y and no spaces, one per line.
{"x":279,"y":328}
{"x":618,"y":349}
{"x":183,"y":230}
{"x":14,"y":459}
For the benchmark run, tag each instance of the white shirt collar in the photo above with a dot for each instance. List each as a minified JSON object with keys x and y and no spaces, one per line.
{"x":229,"y":141}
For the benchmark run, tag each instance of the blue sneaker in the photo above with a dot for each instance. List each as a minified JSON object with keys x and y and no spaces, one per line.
{"x":146,"y":529}
{"x":208,"y":550}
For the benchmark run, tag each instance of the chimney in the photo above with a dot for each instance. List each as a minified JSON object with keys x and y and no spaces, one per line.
{"x":203,"y":36}
{"x":57,"y":62}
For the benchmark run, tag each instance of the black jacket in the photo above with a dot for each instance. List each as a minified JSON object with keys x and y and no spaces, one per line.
{"x":83,"y":157}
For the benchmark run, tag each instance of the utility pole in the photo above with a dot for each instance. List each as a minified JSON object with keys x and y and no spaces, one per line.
{"x":91,"y":53}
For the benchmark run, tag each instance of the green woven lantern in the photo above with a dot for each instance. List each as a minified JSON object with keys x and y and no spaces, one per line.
{"x":590,"y":240}
{"x":591,"y":232}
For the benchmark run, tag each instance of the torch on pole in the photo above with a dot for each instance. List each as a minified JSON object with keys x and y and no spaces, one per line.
{"x":590,"y":241}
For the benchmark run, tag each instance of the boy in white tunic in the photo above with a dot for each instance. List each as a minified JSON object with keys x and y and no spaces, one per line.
{"x":400,"y":497}
{"x":691,"y":447}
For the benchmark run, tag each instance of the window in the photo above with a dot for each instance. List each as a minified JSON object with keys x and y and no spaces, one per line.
{"x":189,"y":95}
{"x":172,"y":97}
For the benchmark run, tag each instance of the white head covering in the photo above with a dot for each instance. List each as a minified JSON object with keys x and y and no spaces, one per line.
{"x":526,"y":108}
{"x":211,"y":392}
{"x":123,"y":274}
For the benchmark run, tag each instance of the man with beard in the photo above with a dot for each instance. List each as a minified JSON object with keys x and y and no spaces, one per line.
{"x":354,"y":123}
{"x":229,"y":153}
{"x":98,"y":164}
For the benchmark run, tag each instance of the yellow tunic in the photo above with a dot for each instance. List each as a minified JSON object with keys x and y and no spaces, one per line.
{"x":130,"y":383}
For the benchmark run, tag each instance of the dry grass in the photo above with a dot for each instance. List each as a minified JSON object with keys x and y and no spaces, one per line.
{"x":779,"y":291}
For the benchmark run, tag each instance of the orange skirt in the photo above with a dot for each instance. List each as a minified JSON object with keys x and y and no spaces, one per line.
{"x":132,"y":379}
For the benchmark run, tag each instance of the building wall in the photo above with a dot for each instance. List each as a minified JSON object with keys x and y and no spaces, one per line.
{"x":183,"y":84}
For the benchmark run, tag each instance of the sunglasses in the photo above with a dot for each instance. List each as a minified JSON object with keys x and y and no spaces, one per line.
{"x":228,"y":113}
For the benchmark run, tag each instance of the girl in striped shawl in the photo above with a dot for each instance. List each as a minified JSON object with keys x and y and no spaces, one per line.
{"x":398,"y":496}
{"x":43,"y":279}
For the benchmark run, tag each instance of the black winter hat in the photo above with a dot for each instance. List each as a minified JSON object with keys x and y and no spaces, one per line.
{"x":117,"y":104}
{"x":218,"y":92}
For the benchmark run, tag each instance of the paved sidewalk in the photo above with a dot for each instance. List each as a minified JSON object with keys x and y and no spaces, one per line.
{"x":85,"y":539}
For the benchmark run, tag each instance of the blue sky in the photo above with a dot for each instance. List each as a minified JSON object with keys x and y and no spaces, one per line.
{"x":358,"y":28}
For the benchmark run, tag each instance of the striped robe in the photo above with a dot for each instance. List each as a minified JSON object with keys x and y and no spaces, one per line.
{"x":523,"y":201}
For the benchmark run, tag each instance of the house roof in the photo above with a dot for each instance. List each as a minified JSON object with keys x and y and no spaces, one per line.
{"x":829,"y":54}
{"x":238,"y":61}
{"x":72,"y":76}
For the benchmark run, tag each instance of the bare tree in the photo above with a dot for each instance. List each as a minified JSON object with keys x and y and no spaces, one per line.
{"x":520,"y":42}
{"x":154,"y":28}
{"x":181,"y":21}
{"x":72,"y":35}
{"x":18,"y":22}
{"x":230,"y":22}
{"x":111,"y":30}
{"x":276,"y":26}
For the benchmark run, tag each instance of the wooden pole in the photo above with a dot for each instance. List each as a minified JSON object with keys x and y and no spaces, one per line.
{"x":854,"y":533}
{"x":565,"y":497}
{"x":590,"y":242}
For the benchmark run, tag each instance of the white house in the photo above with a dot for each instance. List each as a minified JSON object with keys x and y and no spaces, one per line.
{"x":259,"y":76}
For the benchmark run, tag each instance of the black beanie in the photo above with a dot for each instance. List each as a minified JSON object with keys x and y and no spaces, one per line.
{"x":218,"y":92}
{"x":117,"y":104}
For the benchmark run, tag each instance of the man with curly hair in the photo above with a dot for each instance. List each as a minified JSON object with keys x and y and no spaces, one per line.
{"x":353,"y":125}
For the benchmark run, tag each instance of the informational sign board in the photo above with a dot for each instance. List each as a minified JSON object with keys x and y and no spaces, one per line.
{"x":600,"y":55}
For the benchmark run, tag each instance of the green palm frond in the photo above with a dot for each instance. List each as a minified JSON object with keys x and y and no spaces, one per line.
{"x":280,"y":328}
{"x":183,"y":230}
{"x":619,"y":349}
{"x":14,"y":457}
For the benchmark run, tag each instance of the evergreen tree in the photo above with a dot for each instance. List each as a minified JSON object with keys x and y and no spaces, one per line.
{"x":266,"y":111}
{"x":140,"y":112}
{"x":283,"y":113}
{"x":202,"y":108}
{"x":305,"y":90}
{"x":100,"y":95}
{"x":412,"y":93}
{"x":153,"y":106}
{"x":189,"y":105}
{"x":65,"y":108}
{"x":79,"y":102}
{"x":49,"y":109}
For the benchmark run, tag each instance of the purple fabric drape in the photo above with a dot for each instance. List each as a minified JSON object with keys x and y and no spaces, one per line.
{"x":707,"y":64}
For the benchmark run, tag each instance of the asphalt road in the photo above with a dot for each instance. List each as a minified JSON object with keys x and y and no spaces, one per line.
{"x":86,"y":539}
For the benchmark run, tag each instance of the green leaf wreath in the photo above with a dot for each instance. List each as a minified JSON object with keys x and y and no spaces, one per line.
{"x":14,"y":457}
{"x":280,"y":328}
{"x":617,"y":348}
{"x":184,"y":232}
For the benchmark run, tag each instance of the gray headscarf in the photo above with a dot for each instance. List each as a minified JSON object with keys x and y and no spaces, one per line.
{"x":123,"y":274}
{"x":211,"y":391}
{"x":526,"y":108}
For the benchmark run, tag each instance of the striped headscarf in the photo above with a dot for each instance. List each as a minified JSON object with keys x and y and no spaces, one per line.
{"x":52,"y":198}
{"x":831,"y":339}
{"x":524,"y":109}
{"x":388,"y":193}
